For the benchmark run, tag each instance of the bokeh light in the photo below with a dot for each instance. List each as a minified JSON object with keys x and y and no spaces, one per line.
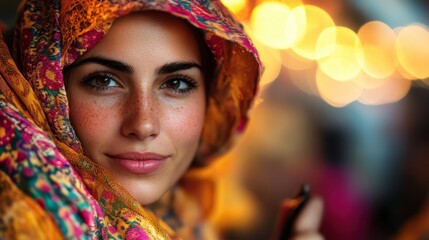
{"x":364,"y":80}
{"x":234,"y":5}
{"x":392,"y":90}
{"x":269,"y":21}
{"x":270,"y":57}
{"x":336,"y":93}
{"x":304,"y":39}
{"x":316,"y":21}
{"x":293,"y":61}
{"x":412,"y":49}
{"x":378,"y":56}
{"x":341,"y":64}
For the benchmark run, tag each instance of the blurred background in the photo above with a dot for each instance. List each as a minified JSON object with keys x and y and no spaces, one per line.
{"x":341,"y":106}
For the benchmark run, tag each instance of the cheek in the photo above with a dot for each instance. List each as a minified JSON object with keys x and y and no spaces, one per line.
{"x":89,"y":120}
{"x":186,"y":124}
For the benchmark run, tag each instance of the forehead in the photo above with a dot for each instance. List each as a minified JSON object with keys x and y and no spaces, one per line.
{"x":149,"y":35}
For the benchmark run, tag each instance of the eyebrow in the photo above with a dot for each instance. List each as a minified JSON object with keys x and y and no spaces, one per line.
{"x":120,"y":66}
{"x":110,"y":63}
{"x":177,"y":66}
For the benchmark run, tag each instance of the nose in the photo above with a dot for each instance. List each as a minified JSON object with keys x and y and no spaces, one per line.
{"x":141,"y":120}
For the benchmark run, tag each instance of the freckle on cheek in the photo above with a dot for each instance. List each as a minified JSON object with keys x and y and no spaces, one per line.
{"x":89,"y":116}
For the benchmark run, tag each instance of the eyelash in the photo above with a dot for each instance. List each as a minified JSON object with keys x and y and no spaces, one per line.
{"x":191,"y":84}
{"x":89,"y":81}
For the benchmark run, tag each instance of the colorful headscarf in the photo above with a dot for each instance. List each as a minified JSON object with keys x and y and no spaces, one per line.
{"x":45,"y":179}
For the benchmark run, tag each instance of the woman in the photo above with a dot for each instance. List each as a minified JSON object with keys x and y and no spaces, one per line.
{"x":107,"y":104}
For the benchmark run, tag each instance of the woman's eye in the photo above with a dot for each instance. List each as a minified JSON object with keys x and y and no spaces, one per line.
{"x":101,"y":81}
{"x":179,"y":85}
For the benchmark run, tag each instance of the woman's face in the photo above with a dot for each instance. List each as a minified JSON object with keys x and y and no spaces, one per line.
{"x":137,"y":102}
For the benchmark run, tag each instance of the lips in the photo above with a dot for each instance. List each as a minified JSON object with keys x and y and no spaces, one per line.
{"x":139,"y":163}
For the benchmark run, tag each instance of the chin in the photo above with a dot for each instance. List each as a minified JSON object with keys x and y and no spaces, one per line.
{"x":145,"y":202}
{"x":146,"y":197}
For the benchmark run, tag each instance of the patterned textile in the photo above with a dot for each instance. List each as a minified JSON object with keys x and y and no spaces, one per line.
{"x":45,"y":179}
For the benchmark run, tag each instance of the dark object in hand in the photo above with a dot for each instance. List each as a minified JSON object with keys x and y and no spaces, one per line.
{"x":290,"y":211}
